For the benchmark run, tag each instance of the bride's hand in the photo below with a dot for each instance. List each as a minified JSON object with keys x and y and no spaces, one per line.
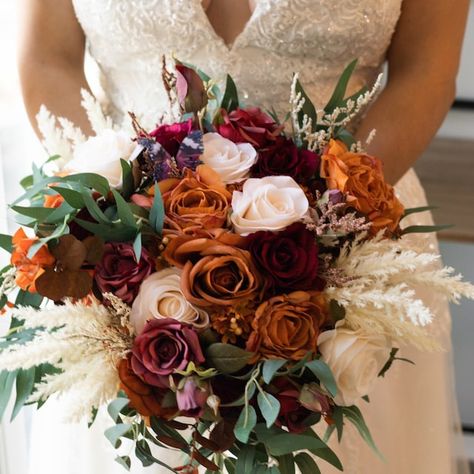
{"x":51,"y":60}
{"x":423,"y":61}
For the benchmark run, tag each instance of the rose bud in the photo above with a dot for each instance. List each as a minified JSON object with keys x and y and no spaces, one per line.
{"x":163,"y":347}
{"x":171,"y":136}
{"x":313,"y":398}
{"x":192,"y":397}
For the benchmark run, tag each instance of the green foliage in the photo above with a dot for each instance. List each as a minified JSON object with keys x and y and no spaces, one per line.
{"x":246,"y":460}
{"x":270,"y":368}
{"x":416,"y":210}
{"x":128,"y":183}
{"x":245,"y":424}
{"x":227,"y":358}
{"x":322,"y":371}
{"x":288,"y":443}
{"x":269,"y":407}
{"x":306,"y":464}
{"x":230,"y":101}
{"x":424,"y":229}
{"x":157,"y":212}
{"x":337,"y":98}
{"x":114,"y":433}
{"x":6,"y":242}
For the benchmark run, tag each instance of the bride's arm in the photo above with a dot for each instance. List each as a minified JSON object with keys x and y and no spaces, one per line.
{"x":51,"y":60}
{"x":423,"y":63}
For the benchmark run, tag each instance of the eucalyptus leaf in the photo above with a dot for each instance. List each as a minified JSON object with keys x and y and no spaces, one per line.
{"x":269,"y":407}
{"x":6,"y":242}
{"x":288,"y":443}
{"x":340,"y":90}
{"x":7,"y":380}
{"x":286,"y":464}
{"x":322,"y":371}
{"x":229,"y":464}
{"x":157,"y":211}
{"x":227,"y":358}
{"x":124,"y":212}
{"x":72,"y":197}
{"x":115,"y":408}
{"x":114,"y":433}
{"x":329,"y":456}
{"x":246,"y":461}
{"x":113,"y":232}
{"x":25,"y":380}
{"x":245,"y":424}
{"x":270,"y":368}
{"x":306,"y":464}
{"x":128,"y":183}
{"x":424,"y":229}
{"x":230,"y":101}
{"x":94,"y":210}
{"x":90,"y":180}
{"x":124,"y":461}
{"x":137,"y":247}
{"x":40,"y":214}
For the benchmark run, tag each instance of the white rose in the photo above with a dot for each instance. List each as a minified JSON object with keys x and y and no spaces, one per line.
{"x":160,"y":296}
{"x":230,"y":160}
{"x":270,"y":203}
{"x":355,"y":359}
{"x":101,"y":155}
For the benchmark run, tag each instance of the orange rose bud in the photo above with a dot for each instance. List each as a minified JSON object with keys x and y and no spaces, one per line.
{"x":29,"y":269}
{"x":199,"y":200}
{"x":287,"y":326}
{"x":361,"y":177}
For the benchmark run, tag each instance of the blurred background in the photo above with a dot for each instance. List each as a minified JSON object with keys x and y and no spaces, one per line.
{"x":446,"y":170}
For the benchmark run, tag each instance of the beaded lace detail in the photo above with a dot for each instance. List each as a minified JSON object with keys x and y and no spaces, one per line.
{"x":316,"y":38}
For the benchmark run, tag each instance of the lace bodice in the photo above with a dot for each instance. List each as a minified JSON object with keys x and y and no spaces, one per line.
{"x":315,"y":38}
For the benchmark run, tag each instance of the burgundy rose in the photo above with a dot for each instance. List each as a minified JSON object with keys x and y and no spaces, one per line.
{"x":292,"y":414}
{"x":171,"y":136}
{"x":249,"y":125}
{"x":165,"y":345}
{"x":119,"y":273}
{"x":283,"y":158}
{"x":288,"y":259}
{"x":192,"y":397}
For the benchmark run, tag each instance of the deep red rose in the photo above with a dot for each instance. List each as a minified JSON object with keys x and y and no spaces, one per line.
{"x":292,"y":414}
{"x":288,"y":259}
{"x":283,"y":158}
{"x":171,"y":136}
{"x":119,"y":273}
{"x":165,"y":345}
{"x":249,"y":125}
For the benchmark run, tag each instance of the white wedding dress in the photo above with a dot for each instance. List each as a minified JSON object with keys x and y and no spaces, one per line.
{"x":412,"y":414}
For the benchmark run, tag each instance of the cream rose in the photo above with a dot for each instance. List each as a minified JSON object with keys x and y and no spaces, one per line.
{"x":160,"y":296}
{"x":101,"y":155}
{"x":270,"y":203}
{"x":232,"y":161}
{"x":355,"y":359}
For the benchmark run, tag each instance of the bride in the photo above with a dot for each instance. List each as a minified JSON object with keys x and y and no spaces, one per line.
{"x":413,"y":414}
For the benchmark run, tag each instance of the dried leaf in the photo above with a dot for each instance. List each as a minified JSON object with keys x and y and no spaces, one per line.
{"x":196,"y":455}
{"x":223,"y":435}
{"x":95,"y":249}
{"x":67,"y":283}
{"x":70,"y":252}
{"x":205,"y":442}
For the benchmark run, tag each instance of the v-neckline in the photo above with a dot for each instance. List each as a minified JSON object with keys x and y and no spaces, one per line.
{"x":229,"y":47}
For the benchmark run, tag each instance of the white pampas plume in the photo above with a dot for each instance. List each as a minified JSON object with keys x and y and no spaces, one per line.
{"x":54,"y":140}
{"x":98,"y":120}
{"x":84,"y":341}
{"x":377,"y":291}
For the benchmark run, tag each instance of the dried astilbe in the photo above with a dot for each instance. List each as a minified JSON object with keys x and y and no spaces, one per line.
{"x":378,"y":292}
{"x":84,"y":341}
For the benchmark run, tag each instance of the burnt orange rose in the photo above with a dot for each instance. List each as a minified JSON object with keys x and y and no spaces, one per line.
{"x":215,"y":271}
{"x":200,"y":200}
{"x":287,"y":326}
{"x":29,"y":269}
{"x":361,"y":177}
{"x":53,"y":200}
{"x":144,"y":398}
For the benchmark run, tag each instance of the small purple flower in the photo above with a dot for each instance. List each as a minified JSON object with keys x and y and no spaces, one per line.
{"x":192,"y":397}
{"x":335,"y":196}
{"x":164,"y":346}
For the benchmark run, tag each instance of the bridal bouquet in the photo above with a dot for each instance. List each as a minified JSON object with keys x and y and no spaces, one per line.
{"x":223,"y":284}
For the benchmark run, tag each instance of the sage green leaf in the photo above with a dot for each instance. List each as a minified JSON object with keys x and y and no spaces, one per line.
{"x":329,"y":456}
{"x":340,"y":90}
{"x":269,"y":407}
{"x":27,"y":182}
{"x":229,"y":464}
{"x":157,"y":212}
{"x":286,"y":464}
{"x":114,"y":232}
{"x":306,"y":464}
{"x":36,"y":188}
{"x":354,"y":415}
{"x":128,"y":183}
{"x":245,"y":424}
{"x":137,"y":247}
{"x":7,"y":379}
{"x":25,"y":381}
{"x":246,"y":461}
{"x":90,"y":180}
{"x":124,"y":212}
{"x":308,"y":108}
{"x":94,"y":210}
{"x":6,"y":242}
{"x":40,"y":214}
{"x":324,"y":374}
{"x":115,"y":408}
{"x":288,"y":443}
{"x":270,"y":368}
{"x":227,"y":358}
{"x":64,"y":211}
{"x":72,"y":197}
{"x":25,"y":298}
{"x":230,"y":101}
{"x":416,"y":210}
{"x":124,"y":461}
{"x":424,"y":229}
{"x":114,"y":433}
